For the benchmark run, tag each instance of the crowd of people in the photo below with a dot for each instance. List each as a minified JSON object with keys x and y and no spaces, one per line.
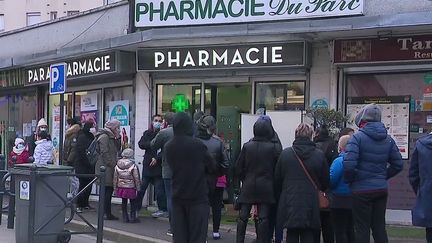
{"x":319,"y":188}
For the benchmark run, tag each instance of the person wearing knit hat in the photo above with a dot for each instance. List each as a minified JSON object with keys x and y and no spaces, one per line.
{"x":369,"y":113}
{"x":109,"y":146}
{"x":42,"y":125}
{"x":372,"y":157}
{"x":20,"y":151}
{"x":126,"y":183}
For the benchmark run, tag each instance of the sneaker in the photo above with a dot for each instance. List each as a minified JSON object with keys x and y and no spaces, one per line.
{"x":216,"y":236}
{"x":157,"y":214}
{"x":169,"y":233}
{"x":79,"y":210}
{"x":89,"y":208}
{"x":165,"y":214}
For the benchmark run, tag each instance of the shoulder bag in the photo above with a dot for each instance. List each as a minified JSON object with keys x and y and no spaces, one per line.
{"x":322,"y":196}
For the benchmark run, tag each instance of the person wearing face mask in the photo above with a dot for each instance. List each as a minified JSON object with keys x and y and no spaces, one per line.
{"x":108,"y":138}
{"x":20,"y":151}
{"x":152,"y":170}
{"x":41,"y":126}
{"x":82,"y":164}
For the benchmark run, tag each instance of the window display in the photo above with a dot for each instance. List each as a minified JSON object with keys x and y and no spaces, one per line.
{"x":178,"y":97}
{"x":276,"y":96}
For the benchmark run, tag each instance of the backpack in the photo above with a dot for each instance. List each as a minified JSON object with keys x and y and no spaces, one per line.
{"x":92,"y":152}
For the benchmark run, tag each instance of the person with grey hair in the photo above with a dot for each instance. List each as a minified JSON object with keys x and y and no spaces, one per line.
{"x":371,"y":158}
{"x":108,"y":150}
{"x":298,"y":207}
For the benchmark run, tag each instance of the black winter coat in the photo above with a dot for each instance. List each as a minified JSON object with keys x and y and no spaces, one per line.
{"x":255,"y":166}
{"x":298,"y":200}
{"x":144,"y":143}
{"x":190,"y":163}
{"x":329,"y":148}
{"x":81,"y":163}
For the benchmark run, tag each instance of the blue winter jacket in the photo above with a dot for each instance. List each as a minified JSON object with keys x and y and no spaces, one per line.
{"x":367,"y":154}
{"x":420,"y":177}
{"x":337,"y":184}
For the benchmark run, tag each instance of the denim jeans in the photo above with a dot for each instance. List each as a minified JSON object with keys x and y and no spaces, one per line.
{"x":168,"y":194}
{"x":159,"y":189}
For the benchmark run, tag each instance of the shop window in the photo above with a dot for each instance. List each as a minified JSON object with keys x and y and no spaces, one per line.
{"x":2,"y":24}
{"x":88,"y":107}
{"x":119,"y":103}
{"x":178,"y":97}
{"x":280,"y":96}
{"x":17,"y":119}
{"x":406,"y":103}
{"x":53,"y":15}
{"x":33,"y":18}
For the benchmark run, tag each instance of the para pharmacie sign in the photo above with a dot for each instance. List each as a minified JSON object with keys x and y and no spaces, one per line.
{"x":154,"y":13}
{"x":291,"y":54}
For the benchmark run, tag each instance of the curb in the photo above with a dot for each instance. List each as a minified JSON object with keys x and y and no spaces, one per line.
{"x":115,"y":235}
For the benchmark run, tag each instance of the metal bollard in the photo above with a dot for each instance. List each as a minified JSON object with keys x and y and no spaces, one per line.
{"x":2,"y":187}
{"x":11,"y":208}
{"x":101,"y":205}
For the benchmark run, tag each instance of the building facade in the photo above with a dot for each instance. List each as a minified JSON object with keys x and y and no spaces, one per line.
{"x":233,"y":61}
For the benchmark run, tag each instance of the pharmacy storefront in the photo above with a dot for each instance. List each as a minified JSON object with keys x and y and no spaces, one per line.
{"x":395,"y":73}
{"x":99,"y":88}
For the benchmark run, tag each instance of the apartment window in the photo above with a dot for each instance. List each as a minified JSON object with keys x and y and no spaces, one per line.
{"x":69,"y":13}
{"x":2,"y":25}
{"x":33,"y":18}
{"x":53,"y":15}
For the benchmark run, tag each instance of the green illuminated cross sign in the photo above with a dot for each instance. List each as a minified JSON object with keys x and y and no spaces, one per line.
{"x":180,"y":103}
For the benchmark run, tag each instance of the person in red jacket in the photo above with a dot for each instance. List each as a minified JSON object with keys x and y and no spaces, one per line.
{"x":20,"y":151}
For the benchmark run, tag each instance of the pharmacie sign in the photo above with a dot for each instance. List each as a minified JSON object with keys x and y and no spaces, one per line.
{"x":83,"y":67}
{"x":291,"y":54}
{"x":153,"y":13}
{"x":404,"y":48}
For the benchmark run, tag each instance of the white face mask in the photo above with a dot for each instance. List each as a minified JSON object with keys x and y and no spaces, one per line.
{"x":93,"y":130}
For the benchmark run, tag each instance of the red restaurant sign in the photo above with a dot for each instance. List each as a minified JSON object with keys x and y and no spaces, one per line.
{"x":410,"y":48}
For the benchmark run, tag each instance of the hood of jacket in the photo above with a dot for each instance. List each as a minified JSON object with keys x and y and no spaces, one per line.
{"x":182,"y":125}
{"x":45,"y":144}
{"x":105,"y":131}
{"x":263,"y":130}
{"x":73,"y":130}
{"x":426,"y":141}
{"x":304,"y":147}
{"x":125,"y":164}
{"x":375,"y":130}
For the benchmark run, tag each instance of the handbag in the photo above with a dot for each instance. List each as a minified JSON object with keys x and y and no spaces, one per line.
{"x":236,"y":203}
{"x":323,"y":199}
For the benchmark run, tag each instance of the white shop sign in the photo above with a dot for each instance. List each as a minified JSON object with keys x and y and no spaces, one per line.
{"x":156,"y":13}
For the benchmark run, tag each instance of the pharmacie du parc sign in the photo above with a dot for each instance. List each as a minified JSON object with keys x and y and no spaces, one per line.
{"x":153,"y":13}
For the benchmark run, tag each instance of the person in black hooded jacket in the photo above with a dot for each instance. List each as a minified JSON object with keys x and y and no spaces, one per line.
{"x":190,"y":163}
{"x":82,"y":164}
{"x":255,"y":169}
{"x":298,"y":207}
{"x":206,"y":127}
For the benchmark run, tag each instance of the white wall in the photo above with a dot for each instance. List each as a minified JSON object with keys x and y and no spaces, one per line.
{"x":15,"y":10}
{"x":107,"y":23}
{"x":322,"y":79}
{"x":143,"y":109}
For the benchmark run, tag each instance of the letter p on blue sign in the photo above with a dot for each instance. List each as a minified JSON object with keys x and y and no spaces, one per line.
{"x":58,"y":78}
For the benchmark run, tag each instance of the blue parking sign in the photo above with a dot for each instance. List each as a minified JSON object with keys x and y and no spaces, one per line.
{"x":58,"y":78}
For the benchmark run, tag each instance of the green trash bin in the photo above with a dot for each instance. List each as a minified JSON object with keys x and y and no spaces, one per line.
{"x":46,"y":203}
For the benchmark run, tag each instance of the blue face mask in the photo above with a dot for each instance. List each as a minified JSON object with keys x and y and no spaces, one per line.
{"x":157,"y":125}
{"x":20,"y":146}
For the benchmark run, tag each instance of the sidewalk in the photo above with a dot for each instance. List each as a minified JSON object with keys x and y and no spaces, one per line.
{"x":149,"y":229}
{"x":8,"y":236}
{"x":154,"y":230}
